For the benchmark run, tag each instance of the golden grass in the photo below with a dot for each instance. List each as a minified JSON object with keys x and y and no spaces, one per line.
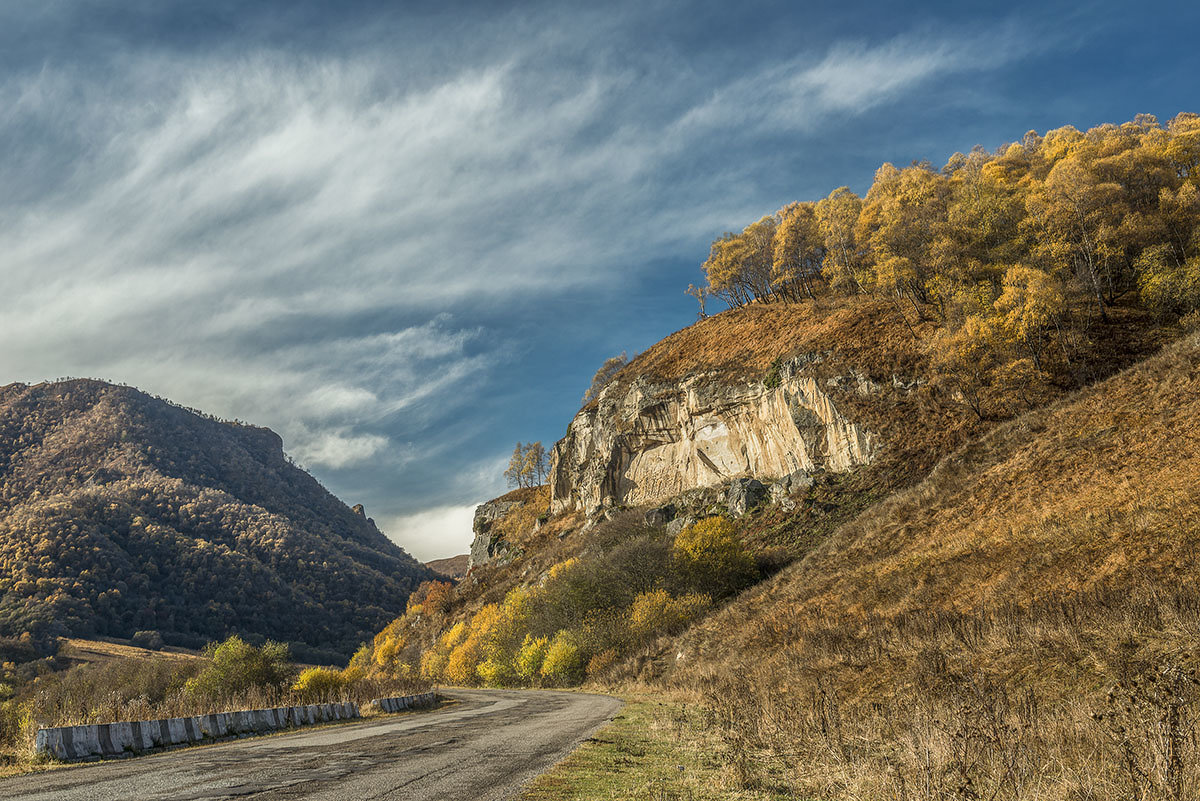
{"x":740,"y":344}
{"x":81,"y":650}
{"x":957,"y":638}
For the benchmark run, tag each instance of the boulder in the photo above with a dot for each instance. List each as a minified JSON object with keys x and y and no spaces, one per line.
{"x":660,"y":516}
{"x":679,"y":524}
{"x":781,"y":491}
{"x":743,"y":495}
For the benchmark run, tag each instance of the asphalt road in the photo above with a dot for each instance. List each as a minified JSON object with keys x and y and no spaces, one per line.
{"x":482,"y":748}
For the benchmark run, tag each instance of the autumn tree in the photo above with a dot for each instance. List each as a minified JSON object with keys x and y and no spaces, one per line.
{"x":837,"y":217}
{"x":1078,"y":216}
{"x":604,"y":375}
{"x":529,"y":465}
{"x":798,"y":251}
{"x":701,"y":296}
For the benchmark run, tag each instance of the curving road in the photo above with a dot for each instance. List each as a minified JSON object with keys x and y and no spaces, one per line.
{"x":482,"y":748}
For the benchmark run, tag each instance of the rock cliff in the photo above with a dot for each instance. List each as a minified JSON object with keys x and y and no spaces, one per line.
{"x":486,"y":546}
{"x":503,"y":525}
{"x":644,"y":442}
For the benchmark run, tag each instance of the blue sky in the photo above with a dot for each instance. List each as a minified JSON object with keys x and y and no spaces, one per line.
{"x":405,"y":235}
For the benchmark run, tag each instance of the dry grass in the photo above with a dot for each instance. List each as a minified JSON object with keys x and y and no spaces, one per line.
{"x":660,"y":748}
{"x":740,"y":344}
{"x":959,"y":639}
{"x":79,"y":650}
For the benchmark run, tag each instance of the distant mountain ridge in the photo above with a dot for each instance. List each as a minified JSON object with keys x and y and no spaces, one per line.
{"x":122,"y":512}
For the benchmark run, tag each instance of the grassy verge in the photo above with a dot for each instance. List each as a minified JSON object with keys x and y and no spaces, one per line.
{"x":659,"y":748}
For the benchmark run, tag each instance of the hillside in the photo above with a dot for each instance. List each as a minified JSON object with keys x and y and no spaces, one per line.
{"x":914,"y":517}
{"x":1097,"y":493}
{"x":582,"y":571}
{"x":1051,"y":560}
{"x":120,"y":512}
{"x":454,"y":567}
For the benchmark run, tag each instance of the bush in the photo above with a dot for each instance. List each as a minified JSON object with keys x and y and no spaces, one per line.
{"x":601,"y":662}
{"x":150,"y":640}
{"x":320,"y":686}
{"x":657,"y":612}
{"x":712,"y":559}
{"x":531,"y":656}
{"x":564,"y":660}
{"x":238,"y":667}
{"x":495,"y":673}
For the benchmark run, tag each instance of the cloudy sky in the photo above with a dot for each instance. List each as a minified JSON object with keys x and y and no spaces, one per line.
{"x":404,"y":235}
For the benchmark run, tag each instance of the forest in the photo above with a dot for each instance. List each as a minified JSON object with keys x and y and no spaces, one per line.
{"x":1016,"y":255}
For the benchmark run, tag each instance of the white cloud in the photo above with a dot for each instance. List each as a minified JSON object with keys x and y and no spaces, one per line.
{"x":852,"y":77}
{"x":305,"y":241}
{"x":433,"y":534}
{"x":335,"y":449}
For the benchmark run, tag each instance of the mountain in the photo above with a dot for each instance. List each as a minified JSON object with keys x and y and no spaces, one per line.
{"x":454,"y":567}
{"x":122,"y":512}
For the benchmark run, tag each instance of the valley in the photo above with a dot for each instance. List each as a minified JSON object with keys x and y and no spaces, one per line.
{"x":910,"y":511}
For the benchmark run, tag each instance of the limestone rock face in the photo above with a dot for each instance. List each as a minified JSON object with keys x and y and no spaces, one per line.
{"x":487,"y":547}
{"x":644,"y":443}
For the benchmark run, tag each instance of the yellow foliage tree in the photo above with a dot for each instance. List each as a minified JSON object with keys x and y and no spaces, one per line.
{"x":563,"y":663}
{"x":657,"y":612}
{"x":713,"y":558}
{"x":531,"y":656}
{"x":798,"y":251}
{"x":837,"y":216}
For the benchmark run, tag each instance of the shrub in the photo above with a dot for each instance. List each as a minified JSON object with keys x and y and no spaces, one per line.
{"x":601,"y":662}
{"x":712,"y":559}
{"x":496,"y":673}
{"x":237,"y":667}
{"x":658,"y":613}
{"x":564,"y":660}
{"x":531,"y":656}
{"x":320,"y":685}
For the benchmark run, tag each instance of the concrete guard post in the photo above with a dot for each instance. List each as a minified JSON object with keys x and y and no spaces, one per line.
{"x":127,"y":738}
{"x":399,"y":704}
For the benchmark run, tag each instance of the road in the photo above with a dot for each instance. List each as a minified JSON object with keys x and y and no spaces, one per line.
{"x":483,"y":747}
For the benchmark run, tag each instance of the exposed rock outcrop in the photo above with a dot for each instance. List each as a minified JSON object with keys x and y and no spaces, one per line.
{"x":487,"y":546}
{"x":646,"y":442}
{"x":745,"y":494}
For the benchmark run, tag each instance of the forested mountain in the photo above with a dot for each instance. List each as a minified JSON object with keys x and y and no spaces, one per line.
{"x":121,"y":512}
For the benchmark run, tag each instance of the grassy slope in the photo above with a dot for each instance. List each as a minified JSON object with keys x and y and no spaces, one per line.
{"x":658,"y":748}
{"x":967,"y":631}
{"x":1100,"y":490}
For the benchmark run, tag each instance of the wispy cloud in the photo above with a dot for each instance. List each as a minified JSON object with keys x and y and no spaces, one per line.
{"x":309,"y":240}
{"x":851,"y":78}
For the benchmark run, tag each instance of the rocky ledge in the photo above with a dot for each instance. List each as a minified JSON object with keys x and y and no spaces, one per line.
{"x":644,"y":443}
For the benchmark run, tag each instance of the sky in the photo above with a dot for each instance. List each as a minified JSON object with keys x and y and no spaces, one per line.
{"x":404,"y":235}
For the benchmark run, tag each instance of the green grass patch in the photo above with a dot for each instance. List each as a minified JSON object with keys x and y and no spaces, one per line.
{"x":657,"y":749}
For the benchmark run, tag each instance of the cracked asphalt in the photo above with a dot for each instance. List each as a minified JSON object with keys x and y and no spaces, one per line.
{"x":485,"y":747}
